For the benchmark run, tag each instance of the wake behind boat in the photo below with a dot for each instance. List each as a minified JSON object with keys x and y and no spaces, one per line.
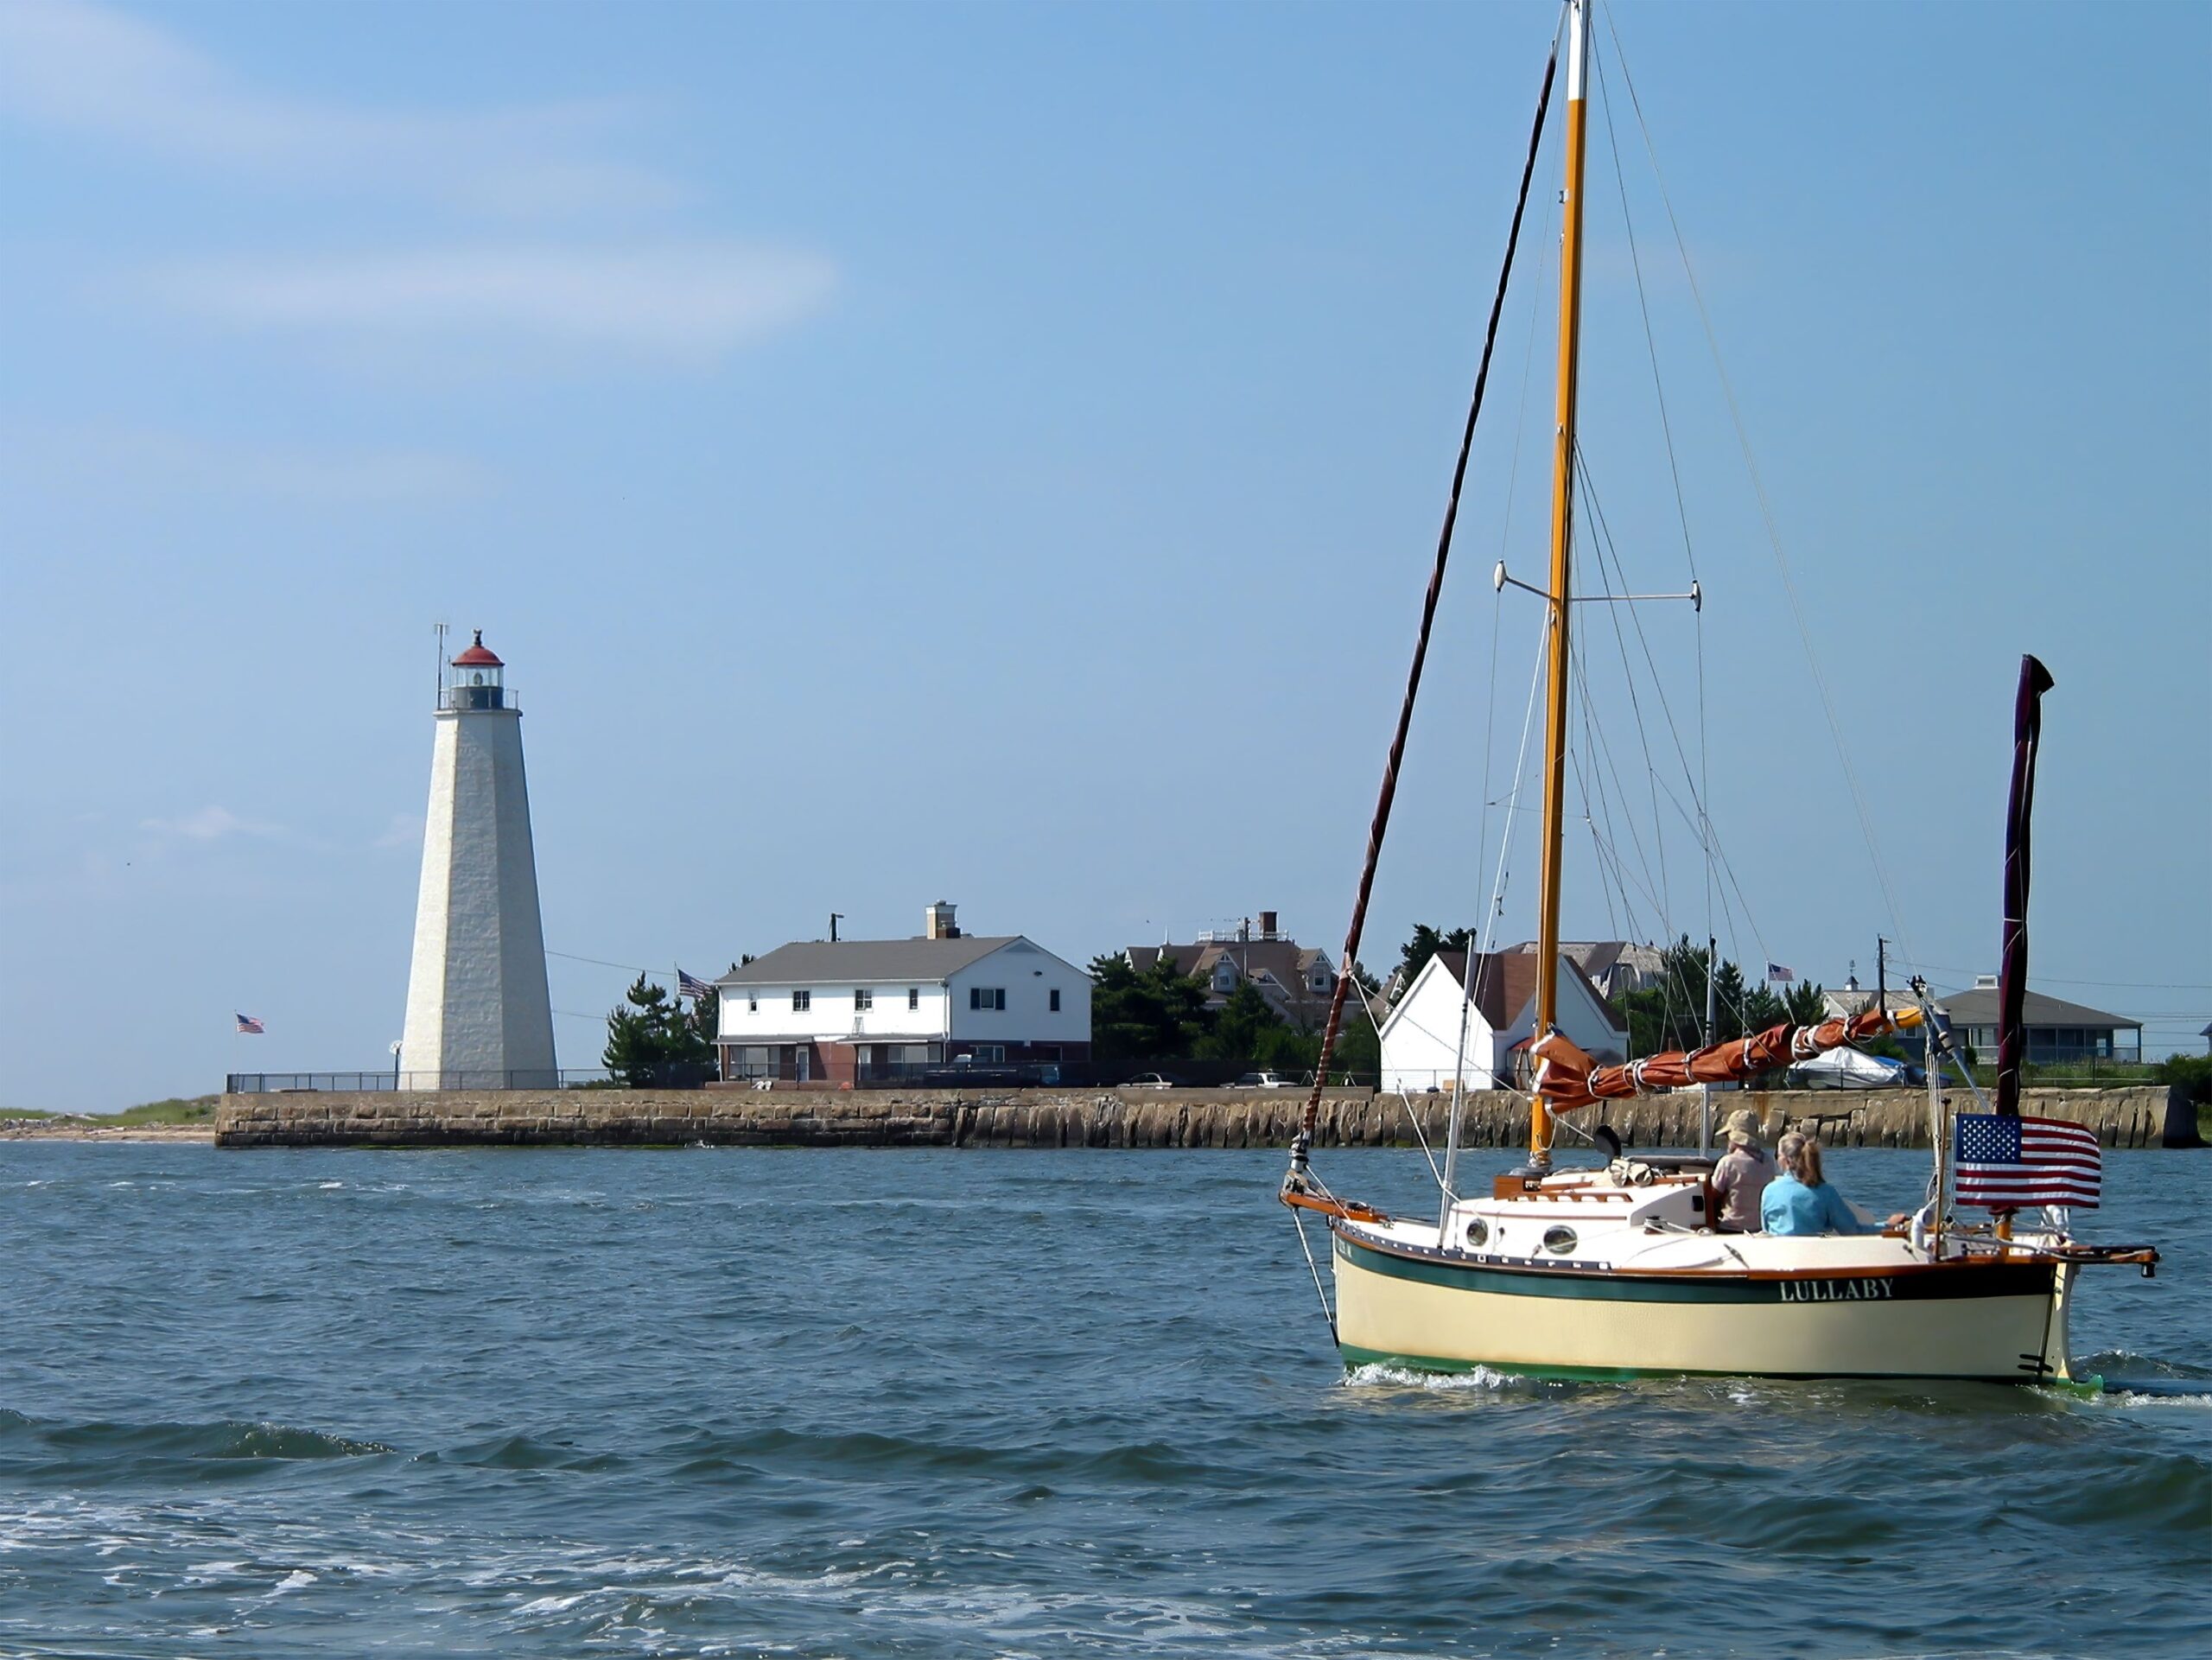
{"x":1619,"y":1270}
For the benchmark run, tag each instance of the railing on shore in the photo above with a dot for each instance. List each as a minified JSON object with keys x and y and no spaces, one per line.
{"x":1194,"y":1074}
{"x":587,"y":1077}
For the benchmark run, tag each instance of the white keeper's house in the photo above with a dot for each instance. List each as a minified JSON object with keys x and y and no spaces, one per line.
{"x":1420,"y":1035}
{"x":857,"y":1011}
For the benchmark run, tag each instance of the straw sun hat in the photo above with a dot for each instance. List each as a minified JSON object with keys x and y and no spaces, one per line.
{"x":1743,"y":1128}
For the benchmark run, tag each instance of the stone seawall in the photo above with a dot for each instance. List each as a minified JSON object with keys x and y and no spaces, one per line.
{"x":1068,"y":1117}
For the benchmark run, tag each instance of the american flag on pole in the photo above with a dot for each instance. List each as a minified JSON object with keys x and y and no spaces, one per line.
{"x":247,"y":1023}
{"x":1776,"y":972}
{"x":690,"y":985}
{"x":2006,"y":1163}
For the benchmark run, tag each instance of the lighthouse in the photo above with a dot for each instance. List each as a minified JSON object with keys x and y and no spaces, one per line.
{"x":478,"y":1012}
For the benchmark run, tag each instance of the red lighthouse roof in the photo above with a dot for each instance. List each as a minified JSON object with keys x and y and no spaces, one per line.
{"x":477,"y":656}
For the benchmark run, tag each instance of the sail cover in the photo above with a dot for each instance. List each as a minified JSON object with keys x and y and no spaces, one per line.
{"x":1567,"y":1077}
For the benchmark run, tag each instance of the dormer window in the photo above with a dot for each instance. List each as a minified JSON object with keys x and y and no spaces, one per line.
{"x":1224,"y":976}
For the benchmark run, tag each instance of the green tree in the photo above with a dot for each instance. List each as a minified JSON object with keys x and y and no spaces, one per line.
{"x":1670,"y":1014}
{"x":1158,"y":1014}
{"x":1806,"y":1003}
{"x":1242,"y":1024}
{"x":1425,"y":943}
{"x":652,"y":1039}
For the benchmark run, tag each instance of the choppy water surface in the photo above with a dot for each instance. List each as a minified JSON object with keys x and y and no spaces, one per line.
{"x":922,"y":1404}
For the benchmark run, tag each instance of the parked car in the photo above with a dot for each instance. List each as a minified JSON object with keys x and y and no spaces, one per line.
{"x":1148,"y":1081}
{"x":1263,"y":1080}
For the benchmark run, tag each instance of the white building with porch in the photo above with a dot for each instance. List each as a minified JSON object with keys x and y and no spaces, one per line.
{"x":846,"y":1011}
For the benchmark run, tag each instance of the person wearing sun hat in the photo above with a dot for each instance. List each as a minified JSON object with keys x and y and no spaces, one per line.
{"x":1739,"y":1180}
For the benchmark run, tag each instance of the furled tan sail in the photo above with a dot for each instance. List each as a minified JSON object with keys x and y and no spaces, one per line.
{"x":1567,"y":1078}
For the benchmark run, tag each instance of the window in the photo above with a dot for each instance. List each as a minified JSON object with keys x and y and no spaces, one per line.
{"x":862,"y":998}
{"x":990,"y":1052}
{"x":913,"y":996}
{"x":801,"y":1001}
{"x":752,"y":1003}
{"x":986,"y":996}
{"x":1055,"y":995}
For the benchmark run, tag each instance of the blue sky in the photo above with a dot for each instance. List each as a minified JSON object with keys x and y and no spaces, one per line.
{"x":994,"y":453}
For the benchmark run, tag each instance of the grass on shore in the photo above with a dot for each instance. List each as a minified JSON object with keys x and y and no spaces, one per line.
{"x":177,"y":1110}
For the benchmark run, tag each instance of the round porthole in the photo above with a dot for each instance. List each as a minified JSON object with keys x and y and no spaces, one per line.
{"x":1559,"y":1240}
{"x":1478,"y":1234}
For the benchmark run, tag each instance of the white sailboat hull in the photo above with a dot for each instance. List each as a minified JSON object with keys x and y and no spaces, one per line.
{"x":1995,"y":1321}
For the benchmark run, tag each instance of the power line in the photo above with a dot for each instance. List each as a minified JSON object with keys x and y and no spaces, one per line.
{"x":600,"y":962}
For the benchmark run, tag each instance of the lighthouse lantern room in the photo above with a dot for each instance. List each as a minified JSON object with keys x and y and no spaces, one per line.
{"x":478,"y":676}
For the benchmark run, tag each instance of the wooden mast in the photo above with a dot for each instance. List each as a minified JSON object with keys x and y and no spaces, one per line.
{"x":1570,"y":316}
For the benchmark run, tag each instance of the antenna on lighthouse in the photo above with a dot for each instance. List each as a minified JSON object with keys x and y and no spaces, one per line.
{"x":439,"y":629}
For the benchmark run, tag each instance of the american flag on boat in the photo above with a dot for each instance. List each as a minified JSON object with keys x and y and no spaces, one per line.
{"x":1786,"y":977}
{"x":247,"y":1023}
{"x":2005,"y":1162}
{"x":690,"y":985}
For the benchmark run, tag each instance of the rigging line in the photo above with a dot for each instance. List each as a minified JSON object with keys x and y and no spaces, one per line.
{"x":1498,"y":611}
{"x":1653,"y":886}
{"x":1427,"y":622}
{"x":1644,"y":305}
{"x":1766,"y":514}
{"x":1673,"y":468}
{"x":1598,"y":543}
{"x":1513,"y":799}
{"x":1720,"y":852}
{"x":1601,"y":755}
{"x":1582,"y":786}
{"x":1607,"y":544}
{"x":1314,"y":1268}
{"x":1701,"y":824}
{"x":1602,"y":544}
{"x":1412,"y":1117}
{"x":1674,"y":474}
{"x":1497,"y":907}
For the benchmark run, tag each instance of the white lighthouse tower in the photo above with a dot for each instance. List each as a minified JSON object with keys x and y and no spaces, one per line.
{"x":478,"y":1012}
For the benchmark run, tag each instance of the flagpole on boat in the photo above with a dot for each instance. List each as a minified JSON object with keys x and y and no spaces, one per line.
{"x":1570,"y":313}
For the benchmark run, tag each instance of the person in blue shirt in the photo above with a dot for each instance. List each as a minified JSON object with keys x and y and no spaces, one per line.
{"x":1798,"y":1201}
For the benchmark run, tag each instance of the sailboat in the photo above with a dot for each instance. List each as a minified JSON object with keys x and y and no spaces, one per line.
{"x":1616,"y":1269}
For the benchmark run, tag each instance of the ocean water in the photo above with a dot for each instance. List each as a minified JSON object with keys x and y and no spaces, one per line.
{"x":924,"y":1404}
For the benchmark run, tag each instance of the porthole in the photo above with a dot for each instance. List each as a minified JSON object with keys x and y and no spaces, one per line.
{"x":1559,"y":1240}
{"x":1478,"y":1234}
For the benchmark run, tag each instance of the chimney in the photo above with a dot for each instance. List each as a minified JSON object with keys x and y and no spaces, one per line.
{"x":1267,"y":925}
{"x":938,"y":924}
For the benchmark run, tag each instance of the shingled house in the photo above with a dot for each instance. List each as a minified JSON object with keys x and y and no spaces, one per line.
{"x":1297,"y":980}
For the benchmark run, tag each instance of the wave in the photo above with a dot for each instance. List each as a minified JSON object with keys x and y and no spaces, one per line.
{"x":91,"y":1444}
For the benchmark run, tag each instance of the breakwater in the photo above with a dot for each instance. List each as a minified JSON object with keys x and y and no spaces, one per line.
{"x":1076,"y":1118}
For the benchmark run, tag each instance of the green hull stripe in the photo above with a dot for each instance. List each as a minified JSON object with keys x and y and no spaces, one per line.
{"x":1961,"y":1284}
{"x":1356,"y":1356}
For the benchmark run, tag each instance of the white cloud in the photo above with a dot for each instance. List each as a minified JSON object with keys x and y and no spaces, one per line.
{"x":695,"y":299}
{"x":71,"y":66}
{"x":210,"y":823}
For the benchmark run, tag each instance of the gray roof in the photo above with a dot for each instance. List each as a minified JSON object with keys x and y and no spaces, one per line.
{"x":860,"y":962}
{"x":1981,"y":1007}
